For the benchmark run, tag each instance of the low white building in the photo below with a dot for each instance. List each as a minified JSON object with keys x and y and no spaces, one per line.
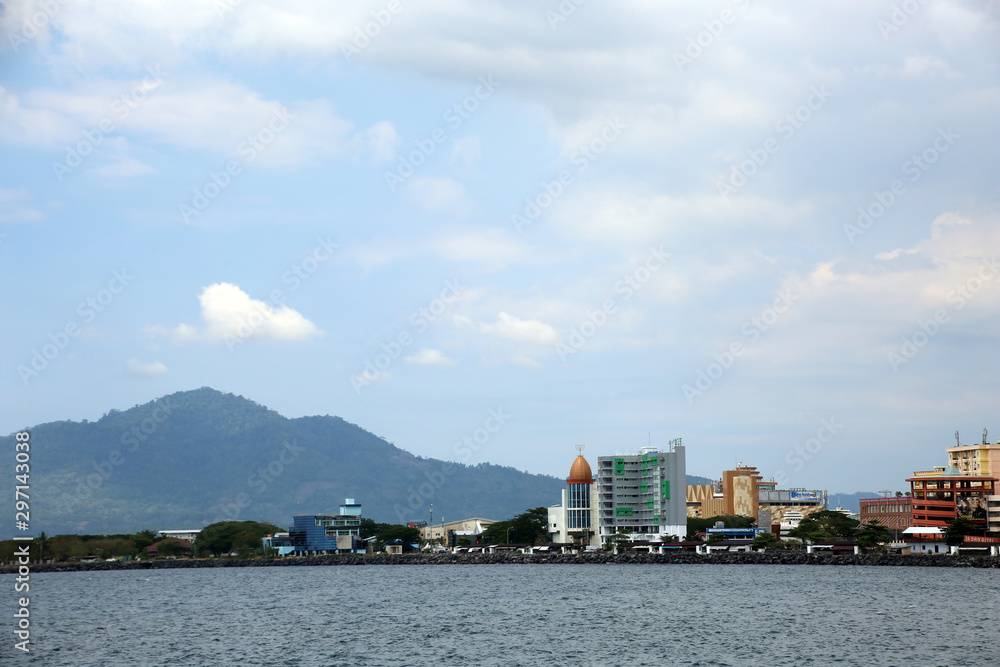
{"x":187,"y":535}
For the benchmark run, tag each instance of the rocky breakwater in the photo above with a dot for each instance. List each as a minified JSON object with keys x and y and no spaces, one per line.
{"x":506,"y":558}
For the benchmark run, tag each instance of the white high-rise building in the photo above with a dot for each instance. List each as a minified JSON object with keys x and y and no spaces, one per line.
{"x":644,"y":493}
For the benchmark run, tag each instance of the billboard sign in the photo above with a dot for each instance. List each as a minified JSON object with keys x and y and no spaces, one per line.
{"x":971,"y":506}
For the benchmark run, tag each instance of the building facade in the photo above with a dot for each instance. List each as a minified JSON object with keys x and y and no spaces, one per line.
{"x":893,"y":513}
{"x":575,"y":519}
{"x":945,"y":493}
{"x":448,"y":533}
{"x":321,"y":533}
{"x":643,"y":495}
{"x":982,"y":459}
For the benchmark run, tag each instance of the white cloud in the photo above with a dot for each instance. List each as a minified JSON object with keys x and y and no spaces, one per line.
{"x":429,"y":357}
{"x":382,"y":140}
{"x":465,"y":152}
{"x":14,"y":206}
{"x":141,"y":369}
{"x":513,"y":328}
{"x":228,"y":313}
{"x":490,"y":248}
{"x":439,"y":194}
{"x":214,"y":115}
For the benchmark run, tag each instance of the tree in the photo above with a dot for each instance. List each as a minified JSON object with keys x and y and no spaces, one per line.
{"x":825,"y":525}
{"x":957,"y":529}
{"x":143,"y":539}
{"x":620,"y":538}
{"x":871,"y":535}
{"x":767,"y":541}
{"x":529,"y":527}
{"x":392,"y":532}
{"x":697,"y":525}
{"x":168,"y":548}
{"x":463,"y":542}
{"x":227,"y":536}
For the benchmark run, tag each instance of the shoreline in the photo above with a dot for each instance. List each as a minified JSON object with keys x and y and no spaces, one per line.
{"x":599,"y":558}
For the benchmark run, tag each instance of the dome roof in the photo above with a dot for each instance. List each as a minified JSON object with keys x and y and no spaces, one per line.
{"x":580,"y":472}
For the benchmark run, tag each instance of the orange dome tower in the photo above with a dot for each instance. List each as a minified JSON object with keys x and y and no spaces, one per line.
{"x":580,"y":472}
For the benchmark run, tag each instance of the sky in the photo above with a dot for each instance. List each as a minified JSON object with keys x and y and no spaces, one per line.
{"x":491,"y":231}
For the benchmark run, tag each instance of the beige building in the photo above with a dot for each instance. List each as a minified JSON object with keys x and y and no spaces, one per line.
{"x":982,"y":459}
{"x":465,"y":527}
{"x":743,"y":491}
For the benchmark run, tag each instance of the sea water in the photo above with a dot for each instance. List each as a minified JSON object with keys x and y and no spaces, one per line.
{"x":512,"y":615}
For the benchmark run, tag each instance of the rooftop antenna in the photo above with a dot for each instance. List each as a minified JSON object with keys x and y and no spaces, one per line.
{"x":885,"y":493}
{"x":985,"y":441}
{"x":957,"y":441}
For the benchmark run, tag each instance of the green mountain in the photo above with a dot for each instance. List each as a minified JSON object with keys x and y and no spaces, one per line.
{"x":196,"y":457}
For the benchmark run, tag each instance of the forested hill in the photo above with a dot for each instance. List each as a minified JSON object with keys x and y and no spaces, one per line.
{"x":195,"y":457}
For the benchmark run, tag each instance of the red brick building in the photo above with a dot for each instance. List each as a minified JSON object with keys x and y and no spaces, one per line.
{"x":893,"y":513}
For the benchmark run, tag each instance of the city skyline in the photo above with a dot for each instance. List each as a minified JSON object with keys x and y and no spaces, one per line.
{"x":489,"y":232}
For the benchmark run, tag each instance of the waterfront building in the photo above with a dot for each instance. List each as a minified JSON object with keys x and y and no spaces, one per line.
{"x":982,"y":459}
{"x":449,"y":532}
{"x":743,"y":491}
{"x":945,"y":493}
{"x":188,"y":535}
{"x":642,"y":495}
{"x":575,"y":520}
{"x":322,"y":533}
{"x":893,"y":513}
{"x":993,"y":515}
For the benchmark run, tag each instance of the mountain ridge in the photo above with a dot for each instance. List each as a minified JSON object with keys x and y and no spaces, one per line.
{"x":198,"y":456}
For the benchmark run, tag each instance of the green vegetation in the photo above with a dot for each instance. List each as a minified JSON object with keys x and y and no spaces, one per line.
{"x":872,"y":535}
{"x":529,"y":527}
{"x":825,"y":525}
{"x":385,"y":533}
{"x":768,"y":540}
{"x":225,"y":537}
{"x":957,"y":529}
{"x":697,"y":525}
{"x":78,"y":547}
{"x":199,"y":457}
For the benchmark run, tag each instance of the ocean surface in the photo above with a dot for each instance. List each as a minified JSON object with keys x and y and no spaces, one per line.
{"x":511,"y":615}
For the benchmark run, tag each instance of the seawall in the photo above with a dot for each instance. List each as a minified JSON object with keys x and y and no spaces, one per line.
{"x":597,"y":558}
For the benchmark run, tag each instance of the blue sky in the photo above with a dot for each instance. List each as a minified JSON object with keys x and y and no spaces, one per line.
{"x":766,"y":228}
